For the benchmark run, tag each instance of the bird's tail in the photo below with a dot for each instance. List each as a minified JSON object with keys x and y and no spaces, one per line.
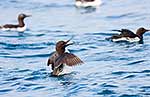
{"x":116,"y":30}
{"x":0,"y":27}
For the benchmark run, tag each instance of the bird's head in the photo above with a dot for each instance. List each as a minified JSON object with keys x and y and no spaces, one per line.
{"x":61,"y":45}
{"x":141,"y":31}
{"x":22,"y":16}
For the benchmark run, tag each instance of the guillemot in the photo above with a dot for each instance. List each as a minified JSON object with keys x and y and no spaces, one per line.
{"x":20,"y":27}
{"x":60,"y":59}
{"x":128,"y":35}
{"x":88,"y":3}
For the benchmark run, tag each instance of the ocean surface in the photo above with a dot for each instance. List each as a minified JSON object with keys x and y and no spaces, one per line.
{"x":109,"y":69}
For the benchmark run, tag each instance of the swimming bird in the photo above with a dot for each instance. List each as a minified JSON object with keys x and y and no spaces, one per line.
{"x":60,"y":59}
{"x":128,"y":35}
{"x":88,"y":3}
{"x":20,"y":27}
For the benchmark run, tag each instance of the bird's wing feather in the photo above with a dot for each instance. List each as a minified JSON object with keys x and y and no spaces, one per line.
{"x":52,"y":58}
{"x":68,"y":59}
{"x":127,"y":33}
{"x":124,"y":33}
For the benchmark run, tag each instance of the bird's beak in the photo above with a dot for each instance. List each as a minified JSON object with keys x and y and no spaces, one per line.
{"x":147,"y":30}
{"x":67,"y":43}
{"x":28,"y":15}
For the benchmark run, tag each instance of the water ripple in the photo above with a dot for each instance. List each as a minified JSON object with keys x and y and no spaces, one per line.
{"x":136,"y":62}
{"x":25,"y":46}
{"x":127,"y":95}
{"x":38,"y":88}
{"x":109,"y":86}
{"x":22,"y":89}
{"x":109,"y":69}
{"x":14,"y":79}
{"x":2,"y":91}
{"x":106,"y":92}
{"x":122,"y":16}
{"x":130,"y":76}
{"x":26,"y":56}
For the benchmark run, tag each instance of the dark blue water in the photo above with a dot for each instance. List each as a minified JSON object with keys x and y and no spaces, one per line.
{"x":110,"y":69}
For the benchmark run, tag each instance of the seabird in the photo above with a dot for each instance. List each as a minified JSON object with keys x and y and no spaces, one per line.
{"x":60,"y":59}
{"x":128,"y":35}
{"x":20,"y":27}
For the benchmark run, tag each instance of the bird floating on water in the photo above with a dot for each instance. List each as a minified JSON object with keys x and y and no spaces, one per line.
{"x":20,"y":27}
{"x":88,"y":3}
{"x":60,"y":60}
{"x":128,"y":36}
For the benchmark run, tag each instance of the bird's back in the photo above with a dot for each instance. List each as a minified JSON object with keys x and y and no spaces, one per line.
{"x":127,"y":33}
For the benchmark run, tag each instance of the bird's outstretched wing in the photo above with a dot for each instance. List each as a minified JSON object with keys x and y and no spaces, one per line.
{"x":68,"y":59}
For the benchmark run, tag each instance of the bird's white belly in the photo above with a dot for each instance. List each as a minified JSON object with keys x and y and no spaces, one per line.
{"x":88,"y":4}
{"x":136,"y":39}
{"x":66,"y":70}
{"x":19,"y":29}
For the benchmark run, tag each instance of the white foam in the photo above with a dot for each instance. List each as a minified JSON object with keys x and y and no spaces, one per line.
{"x":88,"y":4}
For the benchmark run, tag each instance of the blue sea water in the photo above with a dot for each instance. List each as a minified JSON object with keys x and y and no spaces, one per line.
{"x":109,"y":69}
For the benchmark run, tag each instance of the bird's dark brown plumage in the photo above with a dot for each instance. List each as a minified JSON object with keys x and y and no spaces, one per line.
{"x":129,"y":34}
{"x":21,"y":23}
{"x":68,"y":59}
{"x":10,"y":26}
{"x":60,"y":57}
